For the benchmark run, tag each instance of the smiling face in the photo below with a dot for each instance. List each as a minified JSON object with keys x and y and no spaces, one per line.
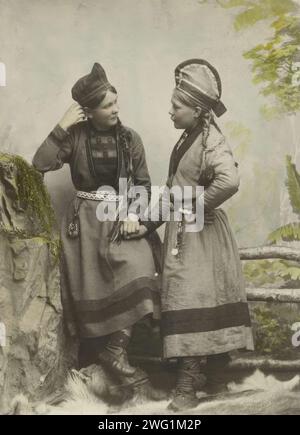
{"x":105,"y":115}
{"x":183,"y":116}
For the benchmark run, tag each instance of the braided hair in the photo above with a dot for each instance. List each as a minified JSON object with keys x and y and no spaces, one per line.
{"x":125,"y":139}
{"x":206,"y":118}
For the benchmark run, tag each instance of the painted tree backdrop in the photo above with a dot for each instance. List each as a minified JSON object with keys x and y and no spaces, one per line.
{"x":276,"y":70}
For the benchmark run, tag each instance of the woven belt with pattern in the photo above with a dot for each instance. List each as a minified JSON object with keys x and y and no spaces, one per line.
{"x":99,"y":196}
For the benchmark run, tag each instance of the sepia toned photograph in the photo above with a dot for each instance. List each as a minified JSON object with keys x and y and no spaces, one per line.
{"x":149,"y":209}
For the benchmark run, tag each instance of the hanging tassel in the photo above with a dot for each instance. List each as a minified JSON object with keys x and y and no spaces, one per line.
{"x":73,"y":230}
{"x":73,"y":227}
{"x":115,"y":234}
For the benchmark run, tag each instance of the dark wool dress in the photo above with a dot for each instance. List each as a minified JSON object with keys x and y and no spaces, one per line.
{"x":105,"y":286}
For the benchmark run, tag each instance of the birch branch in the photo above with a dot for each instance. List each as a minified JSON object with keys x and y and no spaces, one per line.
{"x":270,"y":252}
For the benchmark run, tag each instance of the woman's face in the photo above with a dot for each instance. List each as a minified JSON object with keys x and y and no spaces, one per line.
{"x":184,"y":117}
{"x":106,"y":114}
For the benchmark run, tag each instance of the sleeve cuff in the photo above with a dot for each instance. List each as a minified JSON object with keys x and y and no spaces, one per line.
{"x":59,"y":133}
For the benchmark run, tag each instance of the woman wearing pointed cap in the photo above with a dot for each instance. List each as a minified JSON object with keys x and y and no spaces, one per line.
{"x":204,"y":308}
{"x":108,"y":283}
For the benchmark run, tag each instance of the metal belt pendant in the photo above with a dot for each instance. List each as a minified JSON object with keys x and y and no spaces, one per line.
{"x":177,"y":250}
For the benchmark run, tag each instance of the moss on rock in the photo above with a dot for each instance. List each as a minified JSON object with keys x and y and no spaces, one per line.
{"x":24,"y":186}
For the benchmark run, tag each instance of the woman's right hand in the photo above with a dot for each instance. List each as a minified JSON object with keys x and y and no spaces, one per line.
{"x":73,"y":115}
{"x":142,"y":231}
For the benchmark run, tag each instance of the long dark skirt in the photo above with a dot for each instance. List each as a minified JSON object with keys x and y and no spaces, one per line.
{"x":105,"y":286}
{"x":204,"y":304}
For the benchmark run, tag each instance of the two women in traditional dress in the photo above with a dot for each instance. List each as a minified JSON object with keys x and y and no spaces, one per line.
{"x":110,"y":286}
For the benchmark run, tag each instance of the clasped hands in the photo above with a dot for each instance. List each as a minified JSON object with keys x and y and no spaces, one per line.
{"x":131,"y":228}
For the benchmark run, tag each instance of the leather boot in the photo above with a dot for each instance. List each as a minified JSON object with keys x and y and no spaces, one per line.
{"x":216,"y":365}
{"x":114,"y":357}
{"x":187,"y":379}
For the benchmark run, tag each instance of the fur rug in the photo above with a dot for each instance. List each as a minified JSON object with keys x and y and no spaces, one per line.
{"x":85,"y":391}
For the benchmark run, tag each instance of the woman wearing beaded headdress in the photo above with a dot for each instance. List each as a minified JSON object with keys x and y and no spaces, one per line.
{"x":204,"y":308}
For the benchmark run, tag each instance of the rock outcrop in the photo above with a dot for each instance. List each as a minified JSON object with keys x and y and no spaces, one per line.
{"x":32,"y":343}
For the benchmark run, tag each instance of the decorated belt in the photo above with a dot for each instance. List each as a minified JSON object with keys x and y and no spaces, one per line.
{"x":99,"y":196}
